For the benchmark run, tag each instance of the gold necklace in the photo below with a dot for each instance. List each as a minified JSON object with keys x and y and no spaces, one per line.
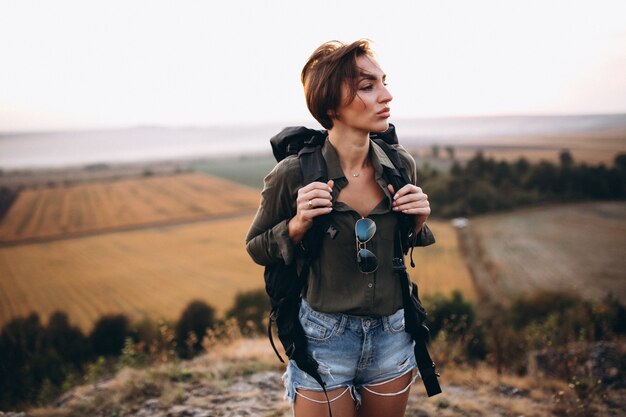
{"x":356,"y":174}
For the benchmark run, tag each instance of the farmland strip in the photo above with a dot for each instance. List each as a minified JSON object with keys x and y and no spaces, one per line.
{"x":124,"y":228}
{"x":28,"y":213}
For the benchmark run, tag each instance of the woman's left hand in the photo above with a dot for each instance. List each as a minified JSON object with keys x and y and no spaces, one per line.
{"x":410,"y":199}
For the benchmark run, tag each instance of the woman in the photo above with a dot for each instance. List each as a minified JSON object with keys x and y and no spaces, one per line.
{"x":351,"y":312}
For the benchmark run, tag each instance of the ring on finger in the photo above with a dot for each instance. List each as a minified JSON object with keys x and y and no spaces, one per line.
{"x":310,"y":204}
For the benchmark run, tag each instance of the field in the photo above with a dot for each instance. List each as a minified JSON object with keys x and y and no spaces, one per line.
{"x":440,"y":267}
{"x":153,"y":265}
{"x":577,"y":248}
{"x":154,"y":272}
{"x":60,"y":212}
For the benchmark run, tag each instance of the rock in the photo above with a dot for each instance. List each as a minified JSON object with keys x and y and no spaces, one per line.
{"x":185,"y":411}
{"x":509,"y":391}
{"x":152,"y":403}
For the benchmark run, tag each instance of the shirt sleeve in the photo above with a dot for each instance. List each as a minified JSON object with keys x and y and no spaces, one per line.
{"x":268,"y":238}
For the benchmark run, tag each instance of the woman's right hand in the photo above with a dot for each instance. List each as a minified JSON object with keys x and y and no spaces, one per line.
{"x":313,"y":200}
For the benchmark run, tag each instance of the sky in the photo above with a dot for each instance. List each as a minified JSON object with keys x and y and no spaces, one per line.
{"x":114,"y":64}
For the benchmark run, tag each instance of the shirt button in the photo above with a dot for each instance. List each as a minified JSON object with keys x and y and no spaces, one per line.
{"x":370,"y":285}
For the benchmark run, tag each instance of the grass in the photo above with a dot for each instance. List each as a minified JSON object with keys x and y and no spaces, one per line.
{"x":243,"y":373}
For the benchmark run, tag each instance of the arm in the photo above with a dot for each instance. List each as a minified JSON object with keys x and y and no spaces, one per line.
{"x":284,"y":216}
{"x":268,"y":238}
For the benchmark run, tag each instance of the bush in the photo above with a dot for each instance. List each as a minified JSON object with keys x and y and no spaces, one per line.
{"x":454,"y":314}
{"x":195,"y":320}
{"x":452,"y":322}
{"x":67,"y":340}
{"x":538,"y":306}
{"x":108,"y":335}
{"x":251,"y":310}
{"x":21,"y":368}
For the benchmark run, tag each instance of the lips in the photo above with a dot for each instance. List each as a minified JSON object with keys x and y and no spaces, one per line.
{"x":386,"y":112}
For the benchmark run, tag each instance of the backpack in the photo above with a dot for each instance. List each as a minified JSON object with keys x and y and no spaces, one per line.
{"x":285,"y":286}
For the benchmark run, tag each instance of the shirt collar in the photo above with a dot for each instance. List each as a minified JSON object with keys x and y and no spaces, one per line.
{"x":378,"y":157}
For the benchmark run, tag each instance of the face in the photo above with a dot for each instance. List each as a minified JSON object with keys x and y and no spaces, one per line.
{"x":369,"y":110}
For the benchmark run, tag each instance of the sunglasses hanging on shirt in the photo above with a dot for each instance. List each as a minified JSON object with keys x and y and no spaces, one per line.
{"x":364,"y":229}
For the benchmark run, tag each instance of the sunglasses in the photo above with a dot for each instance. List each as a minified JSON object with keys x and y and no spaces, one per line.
{"x":364,"y":229}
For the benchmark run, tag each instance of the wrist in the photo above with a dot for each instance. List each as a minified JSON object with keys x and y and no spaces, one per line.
{"x":296,"y":230}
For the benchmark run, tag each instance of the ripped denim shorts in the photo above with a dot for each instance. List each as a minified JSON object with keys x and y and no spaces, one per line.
{"x":353,"y":352}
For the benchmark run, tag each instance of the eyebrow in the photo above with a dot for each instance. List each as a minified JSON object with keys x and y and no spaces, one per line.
{"x":368,"y":76}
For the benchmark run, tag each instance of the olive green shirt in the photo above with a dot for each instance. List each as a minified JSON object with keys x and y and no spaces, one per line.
{"x":335,"y":283}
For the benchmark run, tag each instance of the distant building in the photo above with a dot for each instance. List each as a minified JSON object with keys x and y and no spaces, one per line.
{"x":460,"y":222}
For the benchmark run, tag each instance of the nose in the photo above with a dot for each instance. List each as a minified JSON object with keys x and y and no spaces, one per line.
{"x":386,"y":96}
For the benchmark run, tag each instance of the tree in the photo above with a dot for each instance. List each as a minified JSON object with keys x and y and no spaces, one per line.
{"x":435,"y":149}
{"x":450,"y":151}
{"x":566,"y":158}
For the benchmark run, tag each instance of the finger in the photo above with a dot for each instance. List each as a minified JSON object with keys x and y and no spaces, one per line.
{"x":409,"y":198}
{"x":420,"y":211}
{"x":310,"y":214}
{"x":315,"y":203}
{"x":314,"y":186}
{"x":407,"y":189}
{"x":317,"y":193}
{"x":390,"y":188}
{"x":412,"y":205}
{"x":331,"y":184}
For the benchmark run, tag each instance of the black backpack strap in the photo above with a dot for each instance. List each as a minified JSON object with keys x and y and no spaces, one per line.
{"x":399,"y":177}
{"x":414,"y":316}
{"x":313,"y":167}
{"x":312,"y":163}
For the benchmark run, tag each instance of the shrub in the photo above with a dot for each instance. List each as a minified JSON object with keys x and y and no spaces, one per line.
{"x":21,"y":367}
{"x":538,"y":306}
{"x":251,"y":310}
{"x":67,"y":340}
{"x":454,"y":314}
{"x":195,"y":320}
{"x":108,"y":335}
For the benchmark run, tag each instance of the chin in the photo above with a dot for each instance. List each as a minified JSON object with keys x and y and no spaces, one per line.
{"x":380,"y":127}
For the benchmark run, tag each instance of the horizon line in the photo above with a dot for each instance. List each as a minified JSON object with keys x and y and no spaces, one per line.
{"x":273,"y":124}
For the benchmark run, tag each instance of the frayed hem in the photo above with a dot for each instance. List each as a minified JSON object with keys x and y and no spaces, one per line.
{"x":392,"y":394}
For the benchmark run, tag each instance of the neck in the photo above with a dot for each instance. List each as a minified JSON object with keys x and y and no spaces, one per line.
{"x":352,"y":147}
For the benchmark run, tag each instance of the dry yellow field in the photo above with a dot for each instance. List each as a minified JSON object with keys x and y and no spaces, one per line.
{"x":101,"y":206}
{"x":440,"y":267}
{"x":153,"y":272}
{"x":599,"y":147}
{"x":156,"y":270}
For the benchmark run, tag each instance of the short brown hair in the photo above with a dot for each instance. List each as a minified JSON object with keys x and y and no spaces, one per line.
{"x":323,"y":75}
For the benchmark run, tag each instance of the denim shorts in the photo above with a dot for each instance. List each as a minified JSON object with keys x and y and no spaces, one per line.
{"x":352,"y":351}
